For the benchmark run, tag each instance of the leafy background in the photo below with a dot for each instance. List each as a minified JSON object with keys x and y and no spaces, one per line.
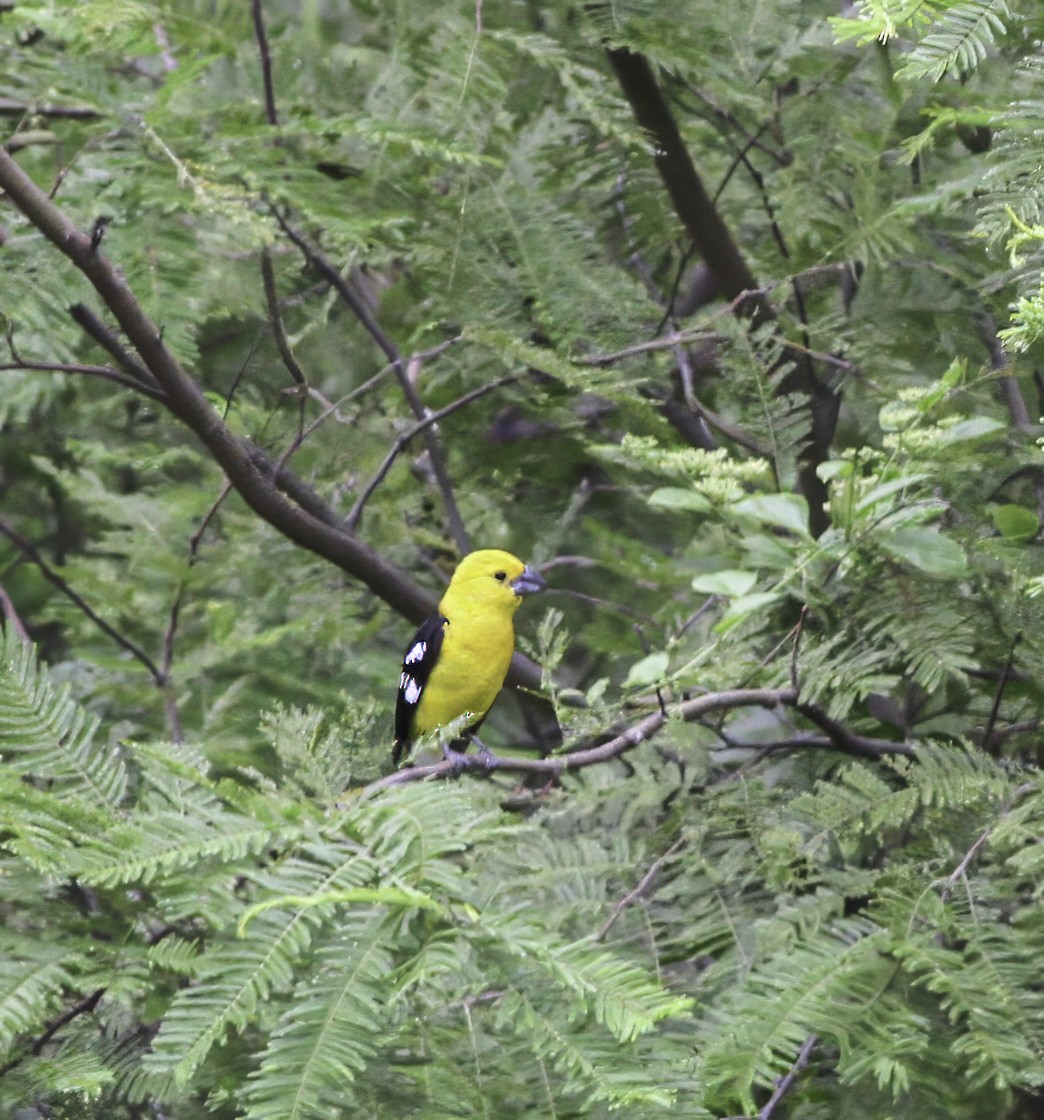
{"x":802,"y":462}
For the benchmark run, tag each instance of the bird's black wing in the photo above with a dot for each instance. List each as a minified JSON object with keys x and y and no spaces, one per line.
{"x":417,"y":664}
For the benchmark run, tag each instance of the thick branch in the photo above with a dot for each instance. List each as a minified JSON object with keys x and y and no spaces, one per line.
{"x":692,"y":203}
{"x":187,"y":402}
{"x":11,"y":108}
{"x":698,"y":214}
{"x":247,"y":468}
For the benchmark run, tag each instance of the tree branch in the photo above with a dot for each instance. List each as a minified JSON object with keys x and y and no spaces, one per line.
{"x":637,"y":892}
{"x":319,"y":261}
{"x":704,"y":225}
{"x":266,"y":62}
{"x":404,"y":439}
{"x":30,"y":551}
{"x":11,"y":108}
{"x":248,"y":468}
{"x":840,"y":738}
{"x":187,"y":402}
{"x":83,"y":1007}
{"x":106,"y":373}
{"x":108,"y":341}
{"x":787,"y":1083}
{"x":691,"y":201}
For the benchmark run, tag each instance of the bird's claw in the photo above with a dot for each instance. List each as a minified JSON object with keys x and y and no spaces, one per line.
{"x":457,"y":759}
{"x":486,"y":757}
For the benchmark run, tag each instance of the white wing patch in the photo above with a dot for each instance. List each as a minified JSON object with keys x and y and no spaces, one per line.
{"x":416,"y":653}
{"x":411,"y":690}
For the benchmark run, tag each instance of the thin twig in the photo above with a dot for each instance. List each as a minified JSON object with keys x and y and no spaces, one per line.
{"x":11,"y":616}
{"x":961,"y":869}
{"x":83,"y":1007}
{"x":438,"y":463}
{"x":637,"y":892}
{"x":52,"y":576}
{"x":167,"y":656}
{"x":401,"y":441}
{"x":266,"y":63}
{"x":106,"y":373}
{"x":998,"y":694}
{"x":275,"y":320}
{"x":786,"y":1083}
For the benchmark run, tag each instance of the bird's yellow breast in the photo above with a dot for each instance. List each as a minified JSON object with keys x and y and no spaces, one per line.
{"x":478,"y":640}
{"x":474,"y":660}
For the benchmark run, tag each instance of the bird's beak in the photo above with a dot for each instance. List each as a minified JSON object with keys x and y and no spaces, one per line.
{"x":529,"y":582}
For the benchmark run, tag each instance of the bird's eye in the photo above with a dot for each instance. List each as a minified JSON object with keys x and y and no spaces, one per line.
{"x":500,"y":576}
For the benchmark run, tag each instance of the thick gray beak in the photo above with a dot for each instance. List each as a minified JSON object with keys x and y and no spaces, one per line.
{"x":529,"y":582}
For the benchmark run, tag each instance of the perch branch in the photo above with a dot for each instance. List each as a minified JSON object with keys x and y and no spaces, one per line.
{"x":839,"y":738}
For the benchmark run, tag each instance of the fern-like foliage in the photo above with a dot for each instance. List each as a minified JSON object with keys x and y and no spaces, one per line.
{"x":207,"y":908}
{"x":957,"y":41}
{"x":44,"y":735}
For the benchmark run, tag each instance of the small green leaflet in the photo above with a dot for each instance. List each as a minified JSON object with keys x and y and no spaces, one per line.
{"x":927,"y":550}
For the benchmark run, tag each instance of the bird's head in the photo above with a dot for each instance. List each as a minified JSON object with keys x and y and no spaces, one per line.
{"x":493,"y":576}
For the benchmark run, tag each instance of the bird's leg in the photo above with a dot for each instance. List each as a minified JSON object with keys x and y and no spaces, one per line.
{"x":485,"y":756}
{"x":457,"y":759}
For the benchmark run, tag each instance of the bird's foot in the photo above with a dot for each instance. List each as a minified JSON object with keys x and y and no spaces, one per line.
{"x":457,"y":759}
{"x":486,"y":757}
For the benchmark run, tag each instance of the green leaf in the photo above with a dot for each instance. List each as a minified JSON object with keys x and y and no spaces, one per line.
{"x":927,"y":550}
{"x":729,"y":582}
{"x":679,"y":498}
{"x":973,"y":428}
{"x":1015,"y":523}
{"x":787,"y":511}
{"x":745,"y":605}
{"x":650,"y":670}
{"x":886,"y":489}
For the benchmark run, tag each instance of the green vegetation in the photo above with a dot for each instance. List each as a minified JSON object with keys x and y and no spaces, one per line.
{"x":731,"y":318}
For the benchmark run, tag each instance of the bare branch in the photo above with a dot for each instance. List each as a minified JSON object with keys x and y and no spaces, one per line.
{"x":266,"y":62}
{"x":187,"y":402}
{"x":841,"y":738}
{"x":106,"y":373}
{"x":30,"y":551}
{"x":11,"y":108}
{"x":643,"y":885}
{"x":275,"y":320}
{"x":787,"y":1083}
{"x":691,"y":201}
{"x":319,"y":261}
{"x":862,"y":746}
{"x":704,"y":225}
{"x":167,"y":657}
{"x":961,"y":869}
{"x":11,"y":616}
{"x":249,"y":468}
{"x":404,"y":439}
{"x":1009,"y":385}
{"x":81,"y":1007}
{"x":109,"y":342}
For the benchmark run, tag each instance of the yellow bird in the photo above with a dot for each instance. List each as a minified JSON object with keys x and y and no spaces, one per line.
{"x":456,"y":663}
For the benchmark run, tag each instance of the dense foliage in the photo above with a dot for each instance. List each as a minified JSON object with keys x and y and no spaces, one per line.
{"x":728,"y":317}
